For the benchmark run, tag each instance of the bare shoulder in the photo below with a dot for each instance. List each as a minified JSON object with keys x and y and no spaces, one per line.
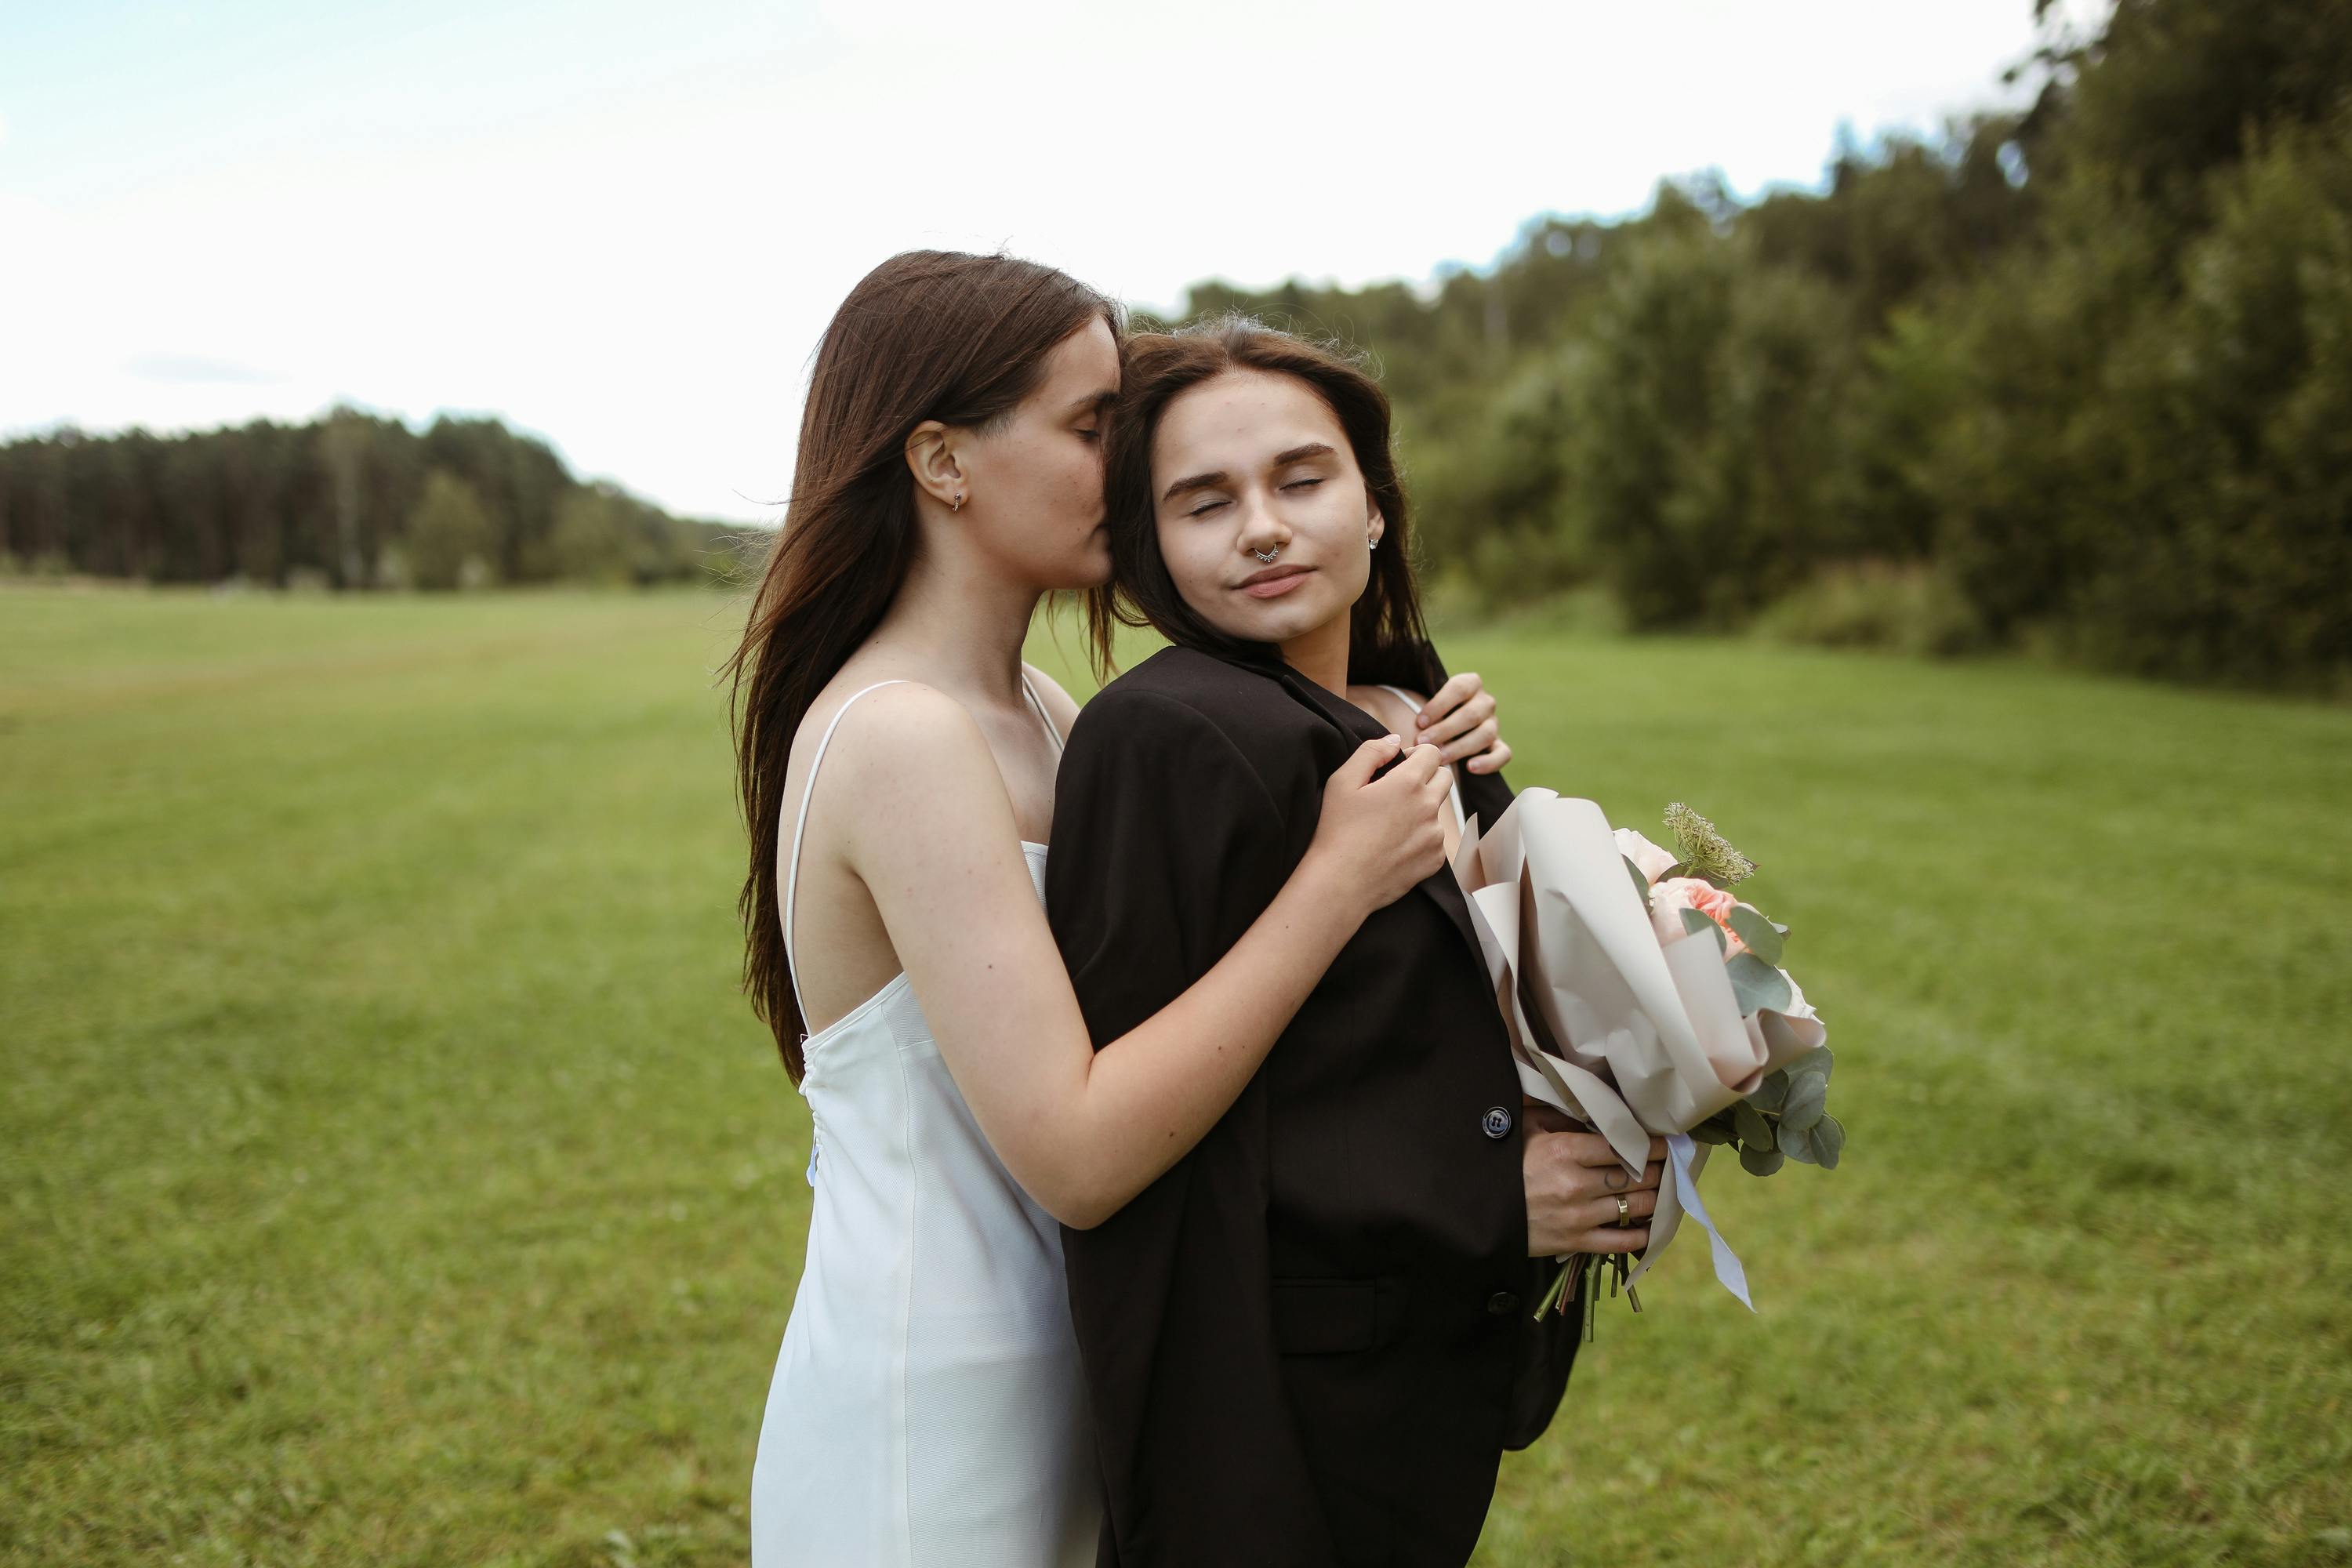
{"x":1383,"y":703}
{"x":1060,"y":705}
{"x":904,"y":731}
{"x":910,"y":788}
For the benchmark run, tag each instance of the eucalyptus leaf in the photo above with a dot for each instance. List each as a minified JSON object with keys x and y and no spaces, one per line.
{"x":1809,"y":1095}
{"x":1772,"y":1093}
{"x":1712,"y":1130}
{"x":1756,"y":984}
{"x":1797,"y":1143}
{"x":1695,"y":923}
{"x":1641,"y":883}
{"x":1752,"y":1126}
{"x":1761,"y":1161}
{"x":1762,"y":937}
{"x":1817,"y":1060}
{"x":1828,"y":1141}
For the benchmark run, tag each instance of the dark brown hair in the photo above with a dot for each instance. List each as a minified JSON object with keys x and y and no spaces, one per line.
{"x":929,"y":334}
{"x":1387,"y":639}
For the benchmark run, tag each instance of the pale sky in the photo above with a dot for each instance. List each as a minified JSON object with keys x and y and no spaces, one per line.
{"x":623,"y":225}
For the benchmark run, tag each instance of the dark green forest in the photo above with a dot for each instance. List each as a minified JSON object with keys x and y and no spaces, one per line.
{"x":353,"y":501}
{"x":2077,"y":378}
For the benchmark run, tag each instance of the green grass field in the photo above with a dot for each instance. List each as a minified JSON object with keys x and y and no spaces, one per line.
{"x":393,"y":1174}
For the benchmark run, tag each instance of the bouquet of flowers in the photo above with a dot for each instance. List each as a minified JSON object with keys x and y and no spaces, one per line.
{"x":1644,"y":999}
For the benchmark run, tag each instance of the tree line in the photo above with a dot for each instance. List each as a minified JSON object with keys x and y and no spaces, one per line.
{"x":2078,"y":377}
{"x":353,"y":501}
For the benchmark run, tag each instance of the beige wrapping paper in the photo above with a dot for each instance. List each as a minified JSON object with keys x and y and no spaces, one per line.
{"x":1631,"y":1034}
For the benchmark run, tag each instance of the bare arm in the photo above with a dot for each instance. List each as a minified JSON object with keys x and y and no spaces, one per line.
{"x":1085,"y":1130}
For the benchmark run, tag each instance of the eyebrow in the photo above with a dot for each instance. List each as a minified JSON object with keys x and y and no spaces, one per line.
{"x":1096,"y":400}
{"x":1194,"y":482}
{"x":1298,"y":453}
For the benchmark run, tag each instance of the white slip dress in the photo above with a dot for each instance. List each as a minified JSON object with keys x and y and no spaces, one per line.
{"x":928,"y":1407}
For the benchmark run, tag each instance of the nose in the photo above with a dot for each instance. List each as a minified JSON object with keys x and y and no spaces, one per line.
{"x":1260,"y":531}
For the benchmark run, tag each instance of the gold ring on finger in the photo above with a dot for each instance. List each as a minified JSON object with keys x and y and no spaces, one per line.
{"x":1625,"y":1210}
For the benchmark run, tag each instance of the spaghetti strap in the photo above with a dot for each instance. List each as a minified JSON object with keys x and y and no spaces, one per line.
{"x":800,"y":830}
{"x":808,"y":789}
{"x":1043,"y":717}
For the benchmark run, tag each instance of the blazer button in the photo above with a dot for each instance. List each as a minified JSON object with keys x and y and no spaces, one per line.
{"x":1502,"y":1303}
{"x":1496,"y":1121}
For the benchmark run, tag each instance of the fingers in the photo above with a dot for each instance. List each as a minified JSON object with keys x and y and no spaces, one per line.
{"x":1419,"y":765}
{"x":1618,"y":1179}
{"x":1570,"y":1207}
{"x":1595,"y":1227}
{"x":1496,"y":758}
{"x":1600,"y":1214}
{"x":1473,"y":744}
{"x":1369,"y":759}
{"x":1559,"y":1183}
{"x":1591,"y":1149}
{"x":1448,"y":698}
{"x":1478,"y":710}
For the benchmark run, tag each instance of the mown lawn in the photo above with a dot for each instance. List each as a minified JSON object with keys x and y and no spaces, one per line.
{"x":393,"y":1174}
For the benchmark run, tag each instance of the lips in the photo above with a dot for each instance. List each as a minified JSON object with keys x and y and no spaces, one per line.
{"x":1274,"y":581}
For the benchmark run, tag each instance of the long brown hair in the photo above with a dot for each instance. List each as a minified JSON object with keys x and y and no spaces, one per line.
{"x":929,"y":334}
{"x":1386,"y":641}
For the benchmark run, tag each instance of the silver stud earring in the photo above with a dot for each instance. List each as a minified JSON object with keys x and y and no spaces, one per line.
{"x":958,"y":502}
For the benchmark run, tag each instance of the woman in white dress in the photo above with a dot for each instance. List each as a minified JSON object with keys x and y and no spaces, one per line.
{"x":896,"y":763}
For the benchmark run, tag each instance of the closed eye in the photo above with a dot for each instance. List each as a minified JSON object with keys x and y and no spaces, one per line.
{"x":1302,"y":484}
{"x":1204,"y":508}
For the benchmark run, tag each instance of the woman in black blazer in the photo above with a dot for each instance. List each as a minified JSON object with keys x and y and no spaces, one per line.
{"x":1308,"y":1343}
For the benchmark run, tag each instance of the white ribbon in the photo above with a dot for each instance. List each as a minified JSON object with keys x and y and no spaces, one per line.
{"x":1728,"y":1269}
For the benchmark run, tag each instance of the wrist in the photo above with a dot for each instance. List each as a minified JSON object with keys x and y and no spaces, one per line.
{"x":1327,"y":885}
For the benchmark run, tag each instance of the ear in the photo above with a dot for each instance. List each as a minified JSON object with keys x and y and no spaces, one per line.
{"x":932,"y":456}
{"x":1375,"y":525}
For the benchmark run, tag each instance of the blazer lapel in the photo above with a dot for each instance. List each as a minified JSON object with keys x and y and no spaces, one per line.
{"x":1359,"y":726}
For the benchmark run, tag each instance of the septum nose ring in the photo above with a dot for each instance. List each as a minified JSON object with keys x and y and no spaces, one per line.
{"x":1265,"y":557}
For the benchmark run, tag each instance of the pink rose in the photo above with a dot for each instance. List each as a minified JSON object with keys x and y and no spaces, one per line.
{"x":1670,"y":898}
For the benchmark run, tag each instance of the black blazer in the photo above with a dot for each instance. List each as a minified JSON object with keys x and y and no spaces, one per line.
{"x":1308,"y":1343}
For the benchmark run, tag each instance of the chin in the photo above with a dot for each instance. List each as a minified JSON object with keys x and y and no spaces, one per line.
{"x":1283,"y":620}
{"x":1267,"y":628}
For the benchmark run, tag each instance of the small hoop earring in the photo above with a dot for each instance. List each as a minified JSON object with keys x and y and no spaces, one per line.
{"x":1373,"y":542}
{"x":958,"y":502}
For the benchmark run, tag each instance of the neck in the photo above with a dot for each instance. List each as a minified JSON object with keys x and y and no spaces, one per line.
{"x":1321,"y":655}
{"x":959,"y":621}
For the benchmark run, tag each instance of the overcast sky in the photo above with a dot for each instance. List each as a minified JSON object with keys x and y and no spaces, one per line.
{"x":623,"y":225}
